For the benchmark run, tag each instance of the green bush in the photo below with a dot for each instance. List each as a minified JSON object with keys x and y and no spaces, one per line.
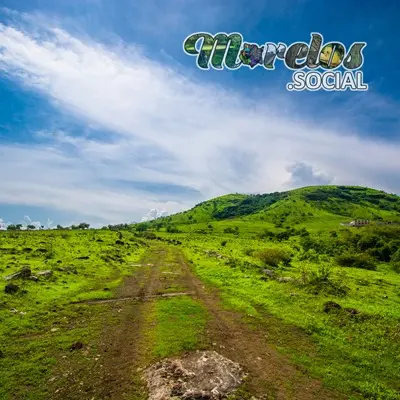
{"x":234,"y":230}
{"x":396,"y":267}
{"x":172,"y":229}
{"x":248,"y":252}
{"x":322,"y":281}
{"x":396,"y":256}
{"x":273,"y":256}
{"x":356,"y":261}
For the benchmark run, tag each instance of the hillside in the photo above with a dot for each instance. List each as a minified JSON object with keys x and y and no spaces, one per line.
{"x":272,"y":282}
{"x":296,"y":206}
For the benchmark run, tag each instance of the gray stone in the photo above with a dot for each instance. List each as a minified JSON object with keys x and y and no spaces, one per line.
{"x":45,"y":274}
{"x":23,"y":273}
{"x":199,"y":375}
{"x":269,"y":272}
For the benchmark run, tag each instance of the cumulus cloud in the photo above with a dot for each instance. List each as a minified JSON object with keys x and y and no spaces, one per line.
{"x":3,"y":225}
{"x":162,"y":128}
{"x":303,"y":174}
{"x":154,"y":214}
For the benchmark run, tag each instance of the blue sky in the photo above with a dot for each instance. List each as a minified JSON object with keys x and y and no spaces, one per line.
{"x":104,"y":118}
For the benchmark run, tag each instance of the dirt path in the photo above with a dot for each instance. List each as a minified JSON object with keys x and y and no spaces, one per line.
{"x":122,"y":349}
{"x":108,"y":371}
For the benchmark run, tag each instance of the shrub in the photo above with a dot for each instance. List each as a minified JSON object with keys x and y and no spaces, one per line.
{"x":356,"y":261}
{"x":368,"y":242}
{"x":234,"y":230}
{"x":248,"y":252}
{"x":273,"y":256}
{"x":310,"y":255}
{"x":267,"y":234}
{"x":396,"y":267}
{"x":223,"y":243}
{"x":396,"y":256}
{"x":322,"y":281}
{"x":285,"y":235}
{"x":172,"y":229}
{"x":149,"y":235}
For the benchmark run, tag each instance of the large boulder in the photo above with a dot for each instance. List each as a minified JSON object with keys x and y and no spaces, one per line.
{"x":199,"y":375}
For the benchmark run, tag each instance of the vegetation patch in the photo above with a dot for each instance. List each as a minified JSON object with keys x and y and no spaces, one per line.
{"x":176,"y":325}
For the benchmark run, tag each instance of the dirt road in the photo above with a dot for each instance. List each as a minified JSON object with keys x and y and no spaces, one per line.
{"x":123,"y":351}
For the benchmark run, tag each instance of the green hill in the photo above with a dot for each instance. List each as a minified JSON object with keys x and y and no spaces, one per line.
{"x":296,"y":206}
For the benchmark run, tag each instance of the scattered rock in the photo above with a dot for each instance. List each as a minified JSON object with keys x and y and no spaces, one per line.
{"x":33,"y":278}
{"x":330,"y":306}
{"x":285,"y":279}
{"x":68,"y":269}
{"x":77,"y":346}
{"x":212,"y":253}
{"x":352,"y":311}
{"x":24,"y":273}
{"x":45,"y":274}
{"x":15,"y":311}
{"x":11,"y":288}
{"x":199,"y":375}
{"x":269,"y":272}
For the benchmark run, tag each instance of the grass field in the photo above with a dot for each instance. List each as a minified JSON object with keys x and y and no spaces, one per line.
{"x":300,"y":301}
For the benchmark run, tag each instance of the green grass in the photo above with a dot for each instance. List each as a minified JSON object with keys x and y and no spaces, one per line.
{"x":356,"y":354}
{"x":29,"y":346}
{"x":176,"y":325}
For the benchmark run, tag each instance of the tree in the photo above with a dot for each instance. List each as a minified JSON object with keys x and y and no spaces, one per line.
{"x":31,"y":227}
{"x":142,"y":227}
{"x":11,"y":227}
{"x":18,"y":227}
{"x":59,"y":227}
{"x":83,"y":225}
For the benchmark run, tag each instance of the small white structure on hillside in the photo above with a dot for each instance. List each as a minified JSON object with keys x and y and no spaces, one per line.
{"x":357,"y":222}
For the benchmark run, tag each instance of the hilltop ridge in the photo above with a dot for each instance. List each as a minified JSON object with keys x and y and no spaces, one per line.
{"x":300,"y":205}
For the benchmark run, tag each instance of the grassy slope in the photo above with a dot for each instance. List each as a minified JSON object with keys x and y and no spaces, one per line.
{"x":316,"y":203}
{"x":203,"y":212}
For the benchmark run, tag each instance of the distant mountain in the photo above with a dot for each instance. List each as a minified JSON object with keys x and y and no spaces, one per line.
{"x":295,"y":206}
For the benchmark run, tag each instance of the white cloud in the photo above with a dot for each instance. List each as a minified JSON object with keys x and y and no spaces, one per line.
{"x":166,"y":129}
{"x":154,"y":214}
{"x":303,"y":174}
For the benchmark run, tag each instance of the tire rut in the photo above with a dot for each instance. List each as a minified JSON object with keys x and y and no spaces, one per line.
{"x":110,"y":376}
